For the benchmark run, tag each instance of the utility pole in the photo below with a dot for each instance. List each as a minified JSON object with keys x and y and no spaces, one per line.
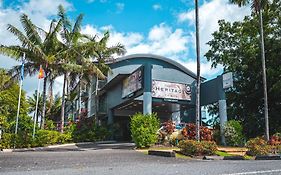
{"x":263,"y":73}
{"x":198,"y":109}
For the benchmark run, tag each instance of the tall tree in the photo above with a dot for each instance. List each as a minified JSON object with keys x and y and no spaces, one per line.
{"x":236,"y":46}
{"x":258,"y":7}
{"x":8,"y":103}
{"x":40,"y":48}
{"x":79,"y":64}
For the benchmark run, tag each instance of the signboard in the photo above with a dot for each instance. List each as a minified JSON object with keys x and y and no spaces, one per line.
{"x":227,"y":80}
{"x":168,"y":90}
{"x":132,"y":83}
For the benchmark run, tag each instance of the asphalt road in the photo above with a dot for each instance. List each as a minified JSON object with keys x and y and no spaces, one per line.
{"x":122,"y":160}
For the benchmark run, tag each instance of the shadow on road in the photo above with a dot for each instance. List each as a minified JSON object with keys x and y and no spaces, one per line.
{"x":106,"y":145}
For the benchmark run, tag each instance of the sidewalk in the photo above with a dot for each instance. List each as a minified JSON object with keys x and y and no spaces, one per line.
{"x":77,"y":146}
{"x":241,"y":151}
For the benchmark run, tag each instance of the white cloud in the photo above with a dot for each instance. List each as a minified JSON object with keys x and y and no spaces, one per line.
{"x":161,"y":40}
{"x":209,"y":14}
{"x":39,"y":13}
{"x":157,"y":7}
{"x":206,"y":69}
{"x":119,"y":7}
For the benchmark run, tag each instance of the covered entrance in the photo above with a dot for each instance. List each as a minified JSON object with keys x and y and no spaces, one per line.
{"x":175,"y":111}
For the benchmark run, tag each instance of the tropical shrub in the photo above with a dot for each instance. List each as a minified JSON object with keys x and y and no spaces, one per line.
{"x":144,"y":129}
{"x":258,"y":146}
{"x":86,"y":130}
{"x":46,"y":137}
{"x":194,"y":148}
{"x":189,"y":132}
{"x":7,"y":140}
{"x":24,"y":134}
{"x":275,"y":139}
{"x":233,"y":133}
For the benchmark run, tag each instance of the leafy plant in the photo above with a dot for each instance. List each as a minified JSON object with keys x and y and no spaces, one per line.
{"x":86,"y":130}
{"x":144,"y":129}
{"x":189,"y":132}
{"x":192,"y":147}
{"x":257,"y":146}
{"x":46,"y":137}
{"x":233,"y":133}
{"x":275,"y":139}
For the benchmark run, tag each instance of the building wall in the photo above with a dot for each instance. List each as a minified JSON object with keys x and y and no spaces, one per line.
{"x":161,"y":70}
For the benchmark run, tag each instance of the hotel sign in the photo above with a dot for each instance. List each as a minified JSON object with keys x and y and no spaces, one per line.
{"x":132,"y":83}
{"x":168,"y":90}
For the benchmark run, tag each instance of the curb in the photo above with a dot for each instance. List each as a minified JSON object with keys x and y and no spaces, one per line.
{"x":269,"y":157}
{"x":162,"y":153}
{"x":55,"y":146}
{"x":213,"y":158}
{"x":42,"y":148}
{"x":233,"y":158}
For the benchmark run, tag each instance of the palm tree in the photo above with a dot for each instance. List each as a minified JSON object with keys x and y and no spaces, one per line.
{"x":54,"y":107}
{"x":198,"y":109}
{"x":78,"y":65}
{"x":258,"y":6}
{"x":40,"y":48}
{"x":32,"y":104}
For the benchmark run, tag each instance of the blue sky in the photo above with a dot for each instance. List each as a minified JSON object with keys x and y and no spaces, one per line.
{"x":163,"y":27}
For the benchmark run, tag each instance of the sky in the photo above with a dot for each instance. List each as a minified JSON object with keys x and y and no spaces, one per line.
{"x":162,"y":27}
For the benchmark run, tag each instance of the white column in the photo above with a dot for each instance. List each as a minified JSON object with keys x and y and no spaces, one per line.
{"x":147,"y":103}
{"x":223,"y":119}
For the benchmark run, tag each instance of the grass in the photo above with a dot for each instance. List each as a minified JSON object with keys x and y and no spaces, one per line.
{"x":246,"y":157}
{"x":181,"y":156}
{"x":223,"y":154}
{"x":178,"y":155}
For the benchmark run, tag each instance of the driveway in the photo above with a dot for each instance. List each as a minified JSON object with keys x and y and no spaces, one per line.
{"x":119,"y":159}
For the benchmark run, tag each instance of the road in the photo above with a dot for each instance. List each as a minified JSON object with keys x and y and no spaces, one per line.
{"x":120,"y":159}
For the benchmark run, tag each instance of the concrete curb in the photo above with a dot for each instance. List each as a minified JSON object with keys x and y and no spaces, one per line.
{"x":162,"y":153}
{"x":43,"y":148}
{"x":56,"y":146}
{"x":213,"y":158}
{"x":268,"y":157}
{"x":233,"y":158}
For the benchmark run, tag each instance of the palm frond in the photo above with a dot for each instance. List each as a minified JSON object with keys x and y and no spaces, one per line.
{"x":25,"y":41}
{"x":30,"y":30}
{"x":30,"y":69}
{"x":14,"y":52}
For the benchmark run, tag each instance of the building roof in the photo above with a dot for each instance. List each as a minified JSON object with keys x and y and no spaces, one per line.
{"x":165,"y":59}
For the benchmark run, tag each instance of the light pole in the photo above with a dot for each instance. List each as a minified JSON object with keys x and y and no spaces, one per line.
{"x":198,"y":72}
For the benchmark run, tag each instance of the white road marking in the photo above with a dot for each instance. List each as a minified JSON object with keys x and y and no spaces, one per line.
{"x":255,"y":172}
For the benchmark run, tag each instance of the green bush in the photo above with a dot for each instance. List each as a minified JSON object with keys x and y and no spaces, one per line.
{"x":46,"y":137}
{"x":65,"y":138}
{"x":194,"y":148}
{"x":86,"y":130}
{"x":258,"y":146}
{"x":233,"y":133}
{"x":7,"y":141}
{"x":144,"y":129}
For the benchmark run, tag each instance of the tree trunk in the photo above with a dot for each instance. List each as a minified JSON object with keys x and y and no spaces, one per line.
{"x":44,"y":103}
{"x":264,"y":75}
{"x":51,"y":99}
{"x":198,"y":110}
{"x":63,"y":102}
{"x":96,"y":99}
{"x":79,"y":98}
